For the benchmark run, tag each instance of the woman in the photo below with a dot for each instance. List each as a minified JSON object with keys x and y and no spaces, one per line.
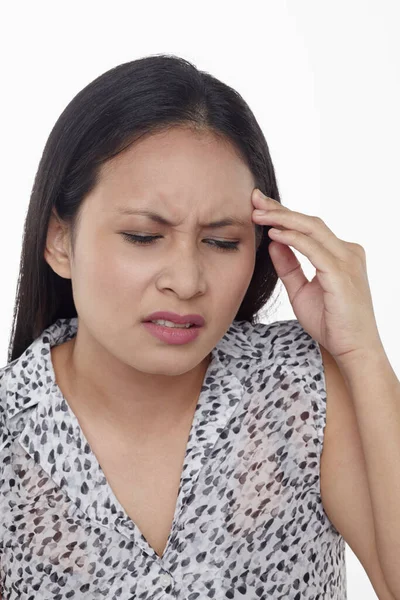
{"x":139,"y":458}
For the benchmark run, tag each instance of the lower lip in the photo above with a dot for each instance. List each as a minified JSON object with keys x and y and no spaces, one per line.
{"x":172,"y":335}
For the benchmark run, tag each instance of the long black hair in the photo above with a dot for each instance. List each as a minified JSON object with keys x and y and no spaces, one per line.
{"x":136,"y":98}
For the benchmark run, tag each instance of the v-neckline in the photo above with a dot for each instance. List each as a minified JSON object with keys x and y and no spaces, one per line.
{"x":52,"y":436}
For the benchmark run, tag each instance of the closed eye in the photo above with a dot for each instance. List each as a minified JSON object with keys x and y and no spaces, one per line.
{"x":149,"y":239}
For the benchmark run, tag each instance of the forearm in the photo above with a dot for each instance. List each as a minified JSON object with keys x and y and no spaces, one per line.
{"x":375,"y":391}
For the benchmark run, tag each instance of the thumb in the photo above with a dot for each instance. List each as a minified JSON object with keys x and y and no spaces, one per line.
{"x":287,"y":267}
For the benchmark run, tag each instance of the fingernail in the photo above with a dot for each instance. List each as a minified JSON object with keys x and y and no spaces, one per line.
{"x":260,"y":195}
{"x":259,"y":213}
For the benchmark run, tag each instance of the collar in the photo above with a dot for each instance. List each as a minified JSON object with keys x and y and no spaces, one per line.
{"x":30,"y":379}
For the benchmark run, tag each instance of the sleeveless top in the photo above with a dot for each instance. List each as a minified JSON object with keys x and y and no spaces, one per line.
{"x":249,"y":522}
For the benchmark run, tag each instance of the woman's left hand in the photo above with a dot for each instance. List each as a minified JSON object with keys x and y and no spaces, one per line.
{"x":335,"y":308}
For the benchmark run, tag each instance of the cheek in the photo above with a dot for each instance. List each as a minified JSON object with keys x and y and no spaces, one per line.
{"x":121,"y":275}
{"x":248,"y":270}
{"x":233,"y":286}
{"x":106,"y":273}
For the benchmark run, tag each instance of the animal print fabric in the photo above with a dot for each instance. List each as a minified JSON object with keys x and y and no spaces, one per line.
{"x":249,"y":521}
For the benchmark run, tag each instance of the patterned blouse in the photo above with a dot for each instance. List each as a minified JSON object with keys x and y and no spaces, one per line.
{"x":249,"y":522}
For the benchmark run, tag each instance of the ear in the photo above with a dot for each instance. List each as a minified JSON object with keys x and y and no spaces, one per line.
{"x":57,"y":249}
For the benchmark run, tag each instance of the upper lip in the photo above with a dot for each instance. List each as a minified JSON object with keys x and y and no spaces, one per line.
{"x":180,"y":319}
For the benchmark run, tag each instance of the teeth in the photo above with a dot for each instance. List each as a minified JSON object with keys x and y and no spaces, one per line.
{"x":171,"y":324}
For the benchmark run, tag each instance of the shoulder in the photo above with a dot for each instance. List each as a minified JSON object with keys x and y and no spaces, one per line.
{"x":292,"y":360}
{"x":7,"y":390}
{"x":4,"y":434}
{"x":286,"y":342}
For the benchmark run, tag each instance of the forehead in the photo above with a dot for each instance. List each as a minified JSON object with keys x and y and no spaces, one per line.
{"x":177,"y":170}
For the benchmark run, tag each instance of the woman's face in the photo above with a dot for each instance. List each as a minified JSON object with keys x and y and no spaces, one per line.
{"x":190,"y":179}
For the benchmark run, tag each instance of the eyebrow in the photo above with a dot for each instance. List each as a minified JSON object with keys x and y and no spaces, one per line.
{"x":226,"y":222}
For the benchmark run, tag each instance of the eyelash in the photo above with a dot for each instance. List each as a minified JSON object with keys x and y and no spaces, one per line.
{"x":140,"y":239}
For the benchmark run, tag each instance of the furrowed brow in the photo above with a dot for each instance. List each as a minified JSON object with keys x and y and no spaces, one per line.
{"x":226,"y":222}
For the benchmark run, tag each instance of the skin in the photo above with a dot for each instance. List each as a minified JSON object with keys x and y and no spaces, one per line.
{"x":114,"y":372}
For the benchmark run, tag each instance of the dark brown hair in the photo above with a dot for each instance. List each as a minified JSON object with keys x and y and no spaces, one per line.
{"x":134,"y":99}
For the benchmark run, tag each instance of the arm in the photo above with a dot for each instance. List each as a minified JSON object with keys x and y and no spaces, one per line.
{"x":344,"y":483}
{"x":375,"y":393}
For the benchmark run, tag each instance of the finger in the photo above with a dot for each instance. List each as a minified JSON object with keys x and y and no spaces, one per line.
{"x":321,"y":258}
{"x":310,"y":226}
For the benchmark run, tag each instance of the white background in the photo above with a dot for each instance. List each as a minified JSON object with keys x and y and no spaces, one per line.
{"x":322,"y":79}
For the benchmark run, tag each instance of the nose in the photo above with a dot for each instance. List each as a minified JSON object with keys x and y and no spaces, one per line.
{"x":184,"y":274}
